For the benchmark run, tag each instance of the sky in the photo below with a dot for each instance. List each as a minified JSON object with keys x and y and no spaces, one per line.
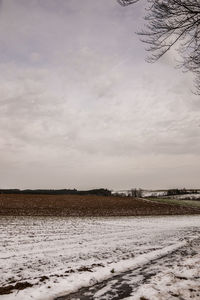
{"x":81,"y":108}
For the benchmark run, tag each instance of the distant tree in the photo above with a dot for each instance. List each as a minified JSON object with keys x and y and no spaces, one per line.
{"x":174,"y":192}
{"x":169,"y":23}
{"x":136,"y":193}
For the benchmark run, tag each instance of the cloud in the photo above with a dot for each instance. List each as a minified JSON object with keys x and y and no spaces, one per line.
{"x":78,"y":105}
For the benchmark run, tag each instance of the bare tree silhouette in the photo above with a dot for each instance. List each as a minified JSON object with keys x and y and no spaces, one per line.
{"x":171,"y":22}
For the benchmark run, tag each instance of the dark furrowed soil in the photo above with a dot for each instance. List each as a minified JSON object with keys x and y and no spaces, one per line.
{"x":76,"y":205}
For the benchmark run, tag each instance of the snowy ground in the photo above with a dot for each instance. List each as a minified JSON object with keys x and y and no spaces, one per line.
{"x":57,"y":256}
{"x":187,"y":196}
{"x":168,"y":277}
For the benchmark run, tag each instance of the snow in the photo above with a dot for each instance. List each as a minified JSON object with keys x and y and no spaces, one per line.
{"x":180,"y":282}
{"x":153,"y":193}
{"x":187,"y":196}
{"x":77,"y":252}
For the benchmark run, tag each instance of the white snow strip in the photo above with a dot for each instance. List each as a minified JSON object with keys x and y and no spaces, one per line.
{"x":76,"y":281}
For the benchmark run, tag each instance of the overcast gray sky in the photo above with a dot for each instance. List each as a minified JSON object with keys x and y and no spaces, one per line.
{"x":79,"y":106}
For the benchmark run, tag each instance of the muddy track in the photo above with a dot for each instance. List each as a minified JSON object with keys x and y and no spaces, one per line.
{"x":127,"y":283}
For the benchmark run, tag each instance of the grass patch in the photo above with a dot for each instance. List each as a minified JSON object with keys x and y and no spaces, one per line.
{"x":188,"y":203}
{"x":112,"y":271}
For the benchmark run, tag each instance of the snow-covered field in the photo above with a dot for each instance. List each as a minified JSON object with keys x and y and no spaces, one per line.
{"x":60,"y":255}
{"x":187,"y":196}
{"x":153,"y":193}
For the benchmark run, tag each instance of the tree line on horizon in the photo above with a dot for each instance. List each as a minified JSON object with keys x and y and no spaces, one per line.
{"x":97,"y":192}
{"x":134,"y":192}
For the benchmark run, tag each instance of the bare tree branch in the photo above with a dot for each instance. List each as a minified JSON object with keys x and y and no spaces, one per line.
{"x":126,"y":2}
{"x":169,"y":23}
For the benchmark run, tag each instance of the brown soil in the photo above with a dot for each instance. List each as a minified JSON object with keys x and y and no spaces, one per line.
{"x":18,"y":286}
{"x":76,"y":205}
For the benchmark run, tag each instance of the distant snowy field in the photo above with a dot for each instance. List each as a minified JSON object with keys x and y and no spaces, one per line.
{"x":76,"y":252}
{"x":187,"y":196}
